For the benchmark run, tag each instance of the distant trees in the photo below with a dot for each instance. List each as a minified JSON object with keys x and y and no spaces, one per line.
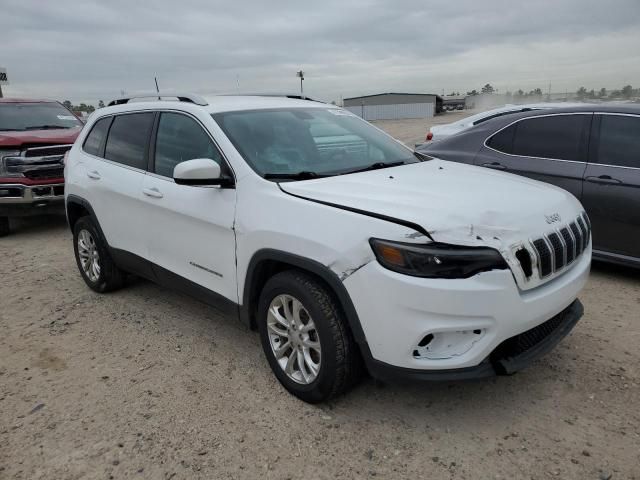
{"x":101,"y":104}
{"x":488,"y":89}
{"x":83,"y":107}
{"x":536,"y":92}
{"x":581,"y":93}
{"x":625,"y":93}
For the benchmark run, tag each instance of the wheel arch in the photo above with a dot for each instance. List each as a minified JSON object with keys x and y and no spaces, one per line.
{"x":77,"y":207}
{"x":267,"y":262}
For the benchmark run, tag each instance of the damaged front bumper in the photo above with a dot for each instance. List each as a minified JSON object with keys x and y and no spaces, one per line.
{"x":512,"y":355}
{"x":439,"y":326}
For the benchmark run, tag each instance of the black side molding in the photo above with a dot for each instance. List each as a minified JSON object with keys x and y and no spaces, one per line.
{"x":142,"y":267}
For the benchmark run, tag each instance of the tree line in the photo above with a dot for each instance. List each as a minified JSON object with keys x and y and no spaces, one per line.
{"x":627,"y":92}
{"x":83,"y":107}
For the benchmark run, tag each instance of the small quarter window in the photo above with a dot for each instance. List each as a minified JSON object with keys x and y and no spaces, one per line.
{"x":503,"y":140}
{"x":94,"y":141}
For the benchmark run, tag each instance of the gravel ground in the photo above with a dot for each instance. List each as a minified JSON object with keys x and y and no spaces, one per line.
{"x":148,"y":383}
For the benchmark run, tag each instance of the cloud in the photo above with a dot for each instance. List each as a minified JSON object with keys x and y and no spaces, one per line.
{"x":87,"y":50}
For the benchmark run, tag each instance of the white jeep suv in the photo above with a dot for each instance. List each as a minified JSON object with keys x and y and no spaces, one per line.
{"x":341,"y":246}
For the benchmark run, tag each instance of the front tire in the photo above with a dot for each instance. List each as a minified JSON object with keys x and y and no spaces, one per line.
{"x":305,"y":337}
{"x":4,"y":226}
{"x":96,"y":266}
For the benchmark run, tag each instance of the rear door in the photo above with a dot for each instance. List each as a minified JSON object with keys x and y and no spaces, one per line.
{"x":550,"y":148}
{"x":612,"y":184}
{"x":191,"y":228}
{"x":115,"y":169}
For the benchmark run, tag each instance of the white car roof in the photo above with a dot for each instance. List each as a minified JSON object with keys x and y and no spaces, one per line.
{"x":214,"y":104}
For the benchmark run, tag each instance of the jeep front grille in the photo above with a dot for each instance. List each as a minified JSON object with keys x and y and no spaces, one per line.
{"x":558,"y":249}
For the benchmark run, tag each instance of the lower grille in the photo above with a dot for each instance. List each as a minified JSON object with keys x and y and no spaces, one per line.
{"x":558,"y":249}
{"x":529,"y":339}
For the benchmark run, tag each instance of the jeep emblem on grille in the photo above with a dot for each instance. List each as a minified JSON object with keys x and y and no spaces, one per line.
{"x":553,"y":218}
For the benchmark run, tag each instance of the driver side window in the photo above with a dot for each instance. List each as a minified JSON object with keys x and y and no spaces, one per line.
{"x":181,"y":138}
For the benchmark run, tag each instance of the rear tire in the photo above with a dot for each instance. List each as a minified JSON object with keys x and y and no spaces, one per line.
{"x":4,"y":226}
{"x":317,"y":357}
{"x":96,"y":266}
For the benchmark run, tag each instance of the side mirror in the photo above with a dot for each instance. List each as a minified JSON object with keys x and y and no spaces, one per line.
{"x":200,"y":172}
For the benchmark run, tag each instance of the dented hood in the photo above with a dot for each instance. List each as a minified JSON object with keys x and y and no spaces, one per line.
{"x":453,"y":202}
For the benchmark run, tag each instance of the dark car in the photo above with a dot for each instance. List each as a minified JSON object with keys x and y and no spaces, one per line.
{"x":593,"y":151}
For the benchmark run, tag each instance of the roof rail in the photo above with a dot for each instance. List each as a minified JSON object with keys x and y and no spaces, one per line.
{"x":295,"y":96}
{"x":182,"y":97}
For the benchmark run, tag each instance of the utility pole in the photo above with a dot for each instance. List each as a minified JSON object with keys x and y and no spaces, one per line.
{"x":300,"y":74}
{"x":3,"y":79}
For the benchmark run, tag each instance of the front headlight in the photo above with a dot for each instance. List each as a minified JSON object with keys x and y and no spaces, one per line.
{"x":436,"y":260}
{"x":3,"y":165}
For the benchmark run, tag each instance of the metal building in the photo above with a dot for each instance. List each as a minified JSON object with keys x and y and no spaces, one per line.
{"x":393,"y":106}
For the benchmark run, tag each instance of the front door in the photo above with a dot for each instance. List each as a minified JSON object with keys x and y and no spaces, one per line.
{"x":191,"y":231}
{"x":612,"y":184}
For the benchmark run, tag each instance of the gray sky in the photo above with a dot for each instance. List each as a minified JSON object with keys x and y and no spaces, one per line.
{"x":87,"y":50}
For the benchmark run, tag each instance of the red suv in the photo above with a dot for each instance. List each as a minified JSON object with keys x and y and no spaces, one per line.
{"x":34,"y":136}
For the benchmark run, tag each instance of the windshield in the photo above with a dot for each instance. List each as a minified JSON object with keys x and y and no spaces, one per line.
{"x":311,"y":141}
{"x":35,"y":116}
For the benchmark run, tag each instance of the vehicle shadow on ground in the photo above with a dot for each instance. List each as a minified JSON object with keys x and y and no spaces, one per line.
{"x":609,"y":269}
{"x":369,"y":401}
{"x":36,"y":225}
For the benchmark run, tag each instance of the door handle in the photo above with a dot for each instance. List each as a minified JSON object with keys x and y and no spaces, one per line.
{"x":152,"y":192}
{"x":494,"y":165}
{"x":604,"y":179}
{"x":93,"y":174}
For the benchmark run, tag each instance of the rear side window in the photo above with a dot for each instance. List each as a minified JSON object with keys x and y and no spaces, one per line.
{"x":128,"y":138}
{"x":557,"y":137}
{"x":181,"y":138}
{"x":619,"y":141}
{"x":93,"y":143}
{"x":503,"y":140}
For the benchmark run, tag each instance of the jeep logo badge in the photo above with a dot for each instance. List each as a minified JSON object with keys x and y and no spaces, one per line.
{"x":553,"y":218}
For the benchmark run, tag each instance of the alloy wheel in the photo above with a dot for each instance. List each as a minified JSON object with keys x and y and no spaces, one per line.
{"x":294,"y":339}
{"x":89,"y":256}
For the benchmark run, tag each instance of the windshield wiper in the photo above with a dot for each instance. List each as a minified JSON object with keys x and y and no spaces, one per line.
{"x":423,"y":157}
{"x":376,"y":166}
{"x":304,"y":175}
{"x":47,"y":127}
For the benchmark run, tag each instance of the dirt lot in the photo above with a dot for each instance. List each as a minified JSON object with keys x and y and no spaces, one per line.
{"x":147,"y":383}
{"x":412,"y":131}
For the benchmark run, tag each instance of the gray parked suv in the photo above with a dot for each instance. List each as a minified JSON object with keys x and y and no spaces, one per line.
{"x":593,"y":151}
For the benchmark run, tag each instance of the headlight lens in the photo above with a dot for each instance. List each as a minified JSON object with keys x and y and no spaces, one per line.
{"x":3,"y":166}
{"x":436,"y":260}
